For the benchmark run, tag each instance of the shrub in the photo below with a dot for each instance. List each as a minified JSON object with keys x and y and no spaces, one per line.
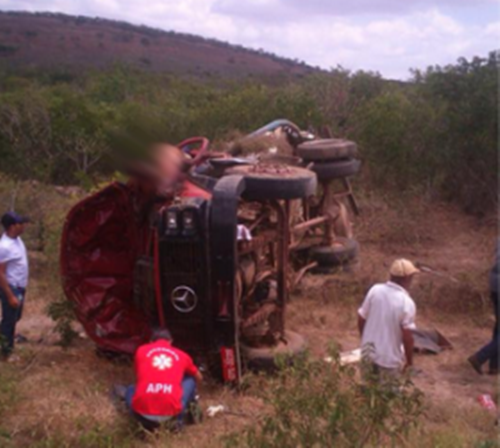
{"x":62,"y":313}
{"x":314,"y":403}
{"x":396,"y":132}
{"x":438,"y":134}
{"x":467,"y":137}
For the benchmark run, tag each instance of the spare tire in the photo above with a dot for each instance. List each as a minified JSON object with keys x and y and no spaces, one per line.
{"x":327,"y":149}
{"x":264,"y":358}
{"x":336,"y":170}
{"x":268,"y":181}
{"x":342,"y":251}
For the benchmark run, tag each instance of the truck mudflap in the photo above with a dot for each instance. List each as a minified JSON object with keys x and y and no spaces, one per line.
{"x":230,"y":366}
{"x":100,"y":244}
{"x":225,"y":199}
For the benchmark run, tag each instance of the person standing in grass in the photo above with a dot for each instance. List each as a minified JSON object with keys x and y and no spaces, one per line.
{"x":385,"y":321}
{"x":490,"y":351}
{"x":14,"y":272}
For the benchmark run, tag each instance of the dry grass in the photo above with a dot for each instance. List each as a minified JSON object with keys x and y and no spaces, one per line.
{"x":448,"y":426}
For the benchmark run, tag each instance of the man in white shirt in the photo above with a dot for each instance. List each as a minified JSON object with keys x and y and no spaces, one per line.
{"x":386,"y":320}
{"x":14,"y":273}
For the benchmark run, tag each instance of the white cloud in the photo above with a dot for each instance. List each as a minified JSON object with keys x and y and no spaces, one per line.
{"x":321,"y":32}
{"x":283,"y":10}
{"x":493,"y":30}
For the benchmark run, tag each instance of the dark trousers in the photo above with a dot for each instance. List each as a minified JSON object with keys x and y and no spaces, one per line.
{"x":188,"y":396}
{"x":10,"y":317}
{"x":490,"y":351}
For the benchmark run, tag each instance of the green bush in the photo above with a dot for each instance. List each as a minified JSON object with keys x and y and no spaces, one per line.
{"x":439,"y":134}
{"x":467,"y":135}
{"x":314,"y":403}
{"x":398,"y":142}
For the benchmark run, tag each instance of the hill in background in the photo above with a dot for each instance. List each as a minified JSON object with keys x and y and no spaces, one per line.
{"x":62,"y":42}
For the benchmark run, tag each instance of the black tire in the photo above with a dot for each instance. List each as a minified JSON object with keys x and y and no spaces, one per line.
{"x":265,"y":358}
{"x":343,"y":251}
{"x":336,"y":170}
{"x":327,"y":149}
{"x":276,"y":181}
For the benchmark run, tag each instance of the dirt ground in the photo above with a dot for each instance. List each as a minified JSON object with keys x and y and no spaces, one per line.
{"x":61,"y":397}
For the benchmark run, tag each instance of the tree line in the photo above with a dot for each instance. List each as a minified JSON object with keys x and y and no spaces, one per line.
{"x":436,"y":134}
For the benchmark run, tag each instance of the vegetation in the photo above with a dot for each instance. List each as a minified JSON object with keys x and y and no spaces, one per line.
{"x":126,"y":33}
{"x":7,"y":397}
{"x":436,"y":134}
{"x":314,"y":403}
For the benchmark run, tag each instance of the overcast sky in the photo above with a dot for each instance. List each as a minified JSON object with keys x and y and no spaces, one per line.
{"x":388,"y":36}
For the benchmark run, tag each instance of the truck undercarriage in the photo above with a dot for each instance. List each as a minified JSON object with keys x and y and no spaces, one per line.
{"x":215,"y":262}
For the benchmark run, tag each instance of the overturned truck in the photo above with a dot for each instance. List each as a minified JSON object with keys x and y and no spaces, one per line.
{"x":215,"y":261}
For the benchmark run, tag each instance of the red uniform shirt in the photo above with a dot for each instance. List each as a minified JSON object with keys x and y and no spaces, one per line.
{"x":159,"y":369}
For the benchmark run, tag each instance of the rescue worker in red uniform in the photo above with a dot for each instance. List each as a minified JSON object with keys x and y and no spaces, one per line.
{"x":166,"y":380}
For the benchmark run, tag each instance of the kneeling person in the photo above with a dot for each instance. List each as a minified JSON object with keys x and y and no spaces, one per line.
{"x":386,"y":320}
{"x":165,"y":382}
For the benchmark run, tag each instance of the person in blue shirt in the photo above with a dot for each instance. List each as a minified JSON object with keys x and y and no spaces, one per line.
{"x":490,"y":351}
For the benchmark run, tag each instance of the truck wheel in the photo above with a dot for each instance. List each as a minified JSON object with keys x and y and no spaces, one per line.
{"x":336,"y":170}
{"x":264,"y":358}
{"x":276,"y":181}
{"x":327,"y":149}
{"x":342,"y":251}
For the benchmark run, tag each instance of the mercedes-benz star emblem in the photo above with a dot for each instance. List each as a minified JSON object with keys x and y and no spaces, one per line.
{"x":184,"y":299}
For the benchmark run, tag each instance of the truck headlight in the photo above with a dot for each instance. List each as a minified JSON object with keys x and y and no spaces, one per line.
{"x":188,"y":224}
{"x":172,"y":224}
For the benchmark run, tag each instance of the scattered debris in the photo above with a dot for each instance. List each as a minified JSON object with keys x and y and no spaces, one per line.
{"x":212,"y":411}
{"x":487,"y":402}
{"x":430,"y":341}
{"x":348,"y":357}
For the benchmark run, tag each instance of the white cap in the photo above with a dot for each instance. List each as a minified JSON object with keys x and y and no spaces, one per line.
{"x":403,"y":268}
